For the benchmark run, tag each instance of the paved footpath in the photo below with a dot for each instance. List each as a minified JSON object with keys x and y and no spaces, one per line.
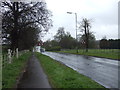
{"x":34,"y":77}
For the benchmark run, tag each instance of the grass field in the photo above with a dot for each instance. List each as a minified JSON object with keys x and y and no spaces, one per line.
{"x":11,"y":72}
{"x":106,"y":53}
{"x":60,"y":76}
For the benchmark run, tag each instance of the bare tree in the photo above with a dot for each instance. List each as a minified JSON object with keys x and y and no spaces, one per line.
{"x":85,"y":26}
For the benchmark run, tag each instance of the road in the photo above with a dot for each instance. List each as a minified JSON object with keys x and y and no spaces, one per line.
{"x":104,"y":71}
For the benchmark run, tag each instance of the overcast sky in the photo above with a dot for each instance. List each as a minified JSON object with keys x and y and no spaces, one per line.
{"x":102,"y":13}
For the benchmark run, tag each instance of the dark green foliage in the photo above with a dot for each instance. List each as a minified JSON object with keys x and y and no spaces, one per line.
{"x":4,"y":48}
{"x":67,"y":42}
{"x":49,"y":44}
{"x":110,"y":44}
{"x":62,"y":40}
{"x":28,"y":38}
{"x":92,"y":41}
{"x":55,"y":48}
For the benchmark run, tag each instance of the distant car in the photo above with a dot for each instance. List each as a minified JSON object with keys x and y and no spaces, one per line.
{"x":42,"y":50}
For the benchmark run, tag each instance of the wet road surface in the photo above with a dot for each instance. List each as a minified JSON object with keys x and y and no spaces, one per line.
{"x":104,"y":71}
{"x":34,"y":77}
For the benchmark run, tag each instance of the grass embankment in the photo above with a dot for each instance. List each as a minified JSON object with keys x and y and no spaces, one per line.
{"x":105,"y":53}
{"x":11,"y":72}
{"x":60,"y":76}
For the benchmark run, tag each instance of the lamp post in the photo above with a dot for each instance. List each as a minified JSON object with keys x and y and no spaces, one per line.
{"x":75,"y":26}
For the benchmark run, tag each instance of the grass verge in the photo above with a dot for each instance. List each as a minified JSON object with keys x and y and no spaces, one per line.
{"x":61,"y":76}
{"x":105,"y":53}
{"x":11,"y":72}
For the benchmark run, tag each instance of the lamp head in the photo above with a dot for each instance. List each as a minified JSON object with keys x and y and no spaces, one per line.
{"x":69,"y":12}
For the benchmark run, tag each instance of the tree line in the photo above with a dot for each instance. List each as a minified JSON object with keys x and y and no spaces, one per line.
{"x":64,"y":40}
{"x":110,"y":44}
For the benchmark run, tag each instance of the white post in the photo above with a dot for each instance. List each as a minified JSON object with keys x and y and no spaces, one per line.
{"x":33,"y":50}
{"x":16,"y":52}
{"x":9,"y":56}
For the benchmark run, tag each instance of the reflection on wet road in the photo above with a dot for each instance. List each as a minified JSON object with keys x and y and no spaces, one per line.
{"x":103,"y":71}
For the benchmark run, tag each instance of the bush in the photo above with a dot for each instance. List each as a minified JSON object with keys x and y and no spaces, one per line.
{"x":56,"y":48}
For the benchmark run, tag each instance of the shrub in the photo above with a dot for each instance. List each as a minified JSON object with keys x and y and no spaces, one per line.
{"x":56,"y":48}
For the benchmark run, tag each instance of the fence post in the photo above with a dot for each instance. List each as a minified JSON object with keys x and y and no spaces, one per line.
{"x":9,"y":56}
{"x":16,"y":52}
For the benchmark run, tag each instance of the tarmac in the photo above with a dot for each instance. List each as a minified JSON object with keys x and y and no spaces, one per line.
{"x":34,"y":76}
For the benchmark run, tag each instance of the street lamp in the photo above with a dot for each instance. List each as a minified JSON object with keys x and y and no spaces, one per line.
{"x":75,"y":25}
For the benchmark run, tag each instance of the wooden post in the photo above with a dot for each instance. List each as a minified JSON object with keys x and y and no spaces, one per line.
{"x":16,"y":52}
{"x":9,"y":56}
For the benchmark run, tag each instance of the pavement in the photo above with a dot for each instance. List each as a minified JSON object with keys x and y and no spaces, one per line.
{"x":34,"y":76}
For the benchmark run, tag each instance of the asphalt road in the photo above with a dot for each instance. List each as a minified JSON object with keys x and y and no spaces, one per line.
{"x":34,"y":76}
{"x":104,"y":71}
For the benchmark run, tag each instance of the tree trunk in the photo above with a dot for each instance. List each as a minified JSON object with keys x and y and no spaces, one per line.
{"x":15,"y":29}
